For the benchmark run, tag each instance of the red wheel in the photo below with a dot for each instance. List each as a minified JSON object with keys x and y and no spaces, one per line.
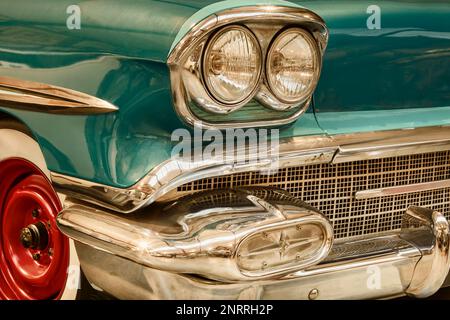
{"x":34,"y":254}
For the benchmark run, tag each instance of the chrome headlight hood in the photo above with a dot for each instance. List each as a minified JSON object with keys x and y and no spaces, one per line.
{"x":192,"y":99}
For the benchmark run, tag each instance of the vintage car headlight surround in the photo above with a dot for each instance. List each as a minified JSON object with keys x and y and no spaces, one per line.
{"x":197,"y":103}
{"x":232,"y":66}
{"x":293,"y":65}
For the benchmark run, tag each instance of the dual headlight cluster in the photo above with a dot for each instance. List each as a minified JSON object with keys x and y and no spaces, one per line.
{"x":234,"y":65}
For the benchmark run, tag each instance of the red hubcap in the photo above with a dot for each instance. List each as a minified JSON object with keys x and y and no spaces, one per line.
{"x":34,"y":254}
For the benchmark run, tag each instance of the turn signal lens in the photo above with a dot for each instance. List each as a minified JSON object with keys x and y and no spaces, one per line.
{"x":232,"y":65}
{"x":293,"y":65}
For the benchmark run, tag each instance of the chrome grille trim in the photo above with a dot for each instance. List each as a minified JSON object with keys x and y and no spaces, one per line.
{"x":331,"y":188}
{"x":164,"y":179}
{"x":411,"y":188}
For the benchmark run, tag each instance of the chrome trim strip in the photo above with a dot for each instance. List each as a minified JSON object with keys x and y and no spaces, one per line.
{"x":260,"y":13}
{"x":208,"y":234}
{"x":117,"y":199}
{"x":413,"y":263}
{"x":40,"y":97}
{"x":292,"y":152}
{"x":171,"y":174}
{"x":186,"y":77}
{"x":390,"y":191}
{"x":397,"y":148}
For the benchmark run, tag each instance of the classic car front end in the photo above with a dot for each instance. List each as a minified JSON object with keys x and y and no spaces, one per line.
{"x":353,"y":185}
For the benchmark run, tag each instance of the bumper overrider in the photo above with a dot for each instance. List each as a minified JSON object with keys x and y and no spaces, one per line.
{"x":253,"y":243}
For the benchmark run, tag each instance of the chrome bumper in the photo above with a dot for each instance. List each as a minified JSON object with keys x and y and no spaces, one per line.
{"x":415,"y":262}
{"x":225,"y":235}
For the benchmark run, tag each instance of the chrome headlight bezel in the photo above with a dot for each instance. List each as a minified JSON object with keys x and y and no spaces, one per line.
{"x":230,"y":105}
{"x":194,"y":103}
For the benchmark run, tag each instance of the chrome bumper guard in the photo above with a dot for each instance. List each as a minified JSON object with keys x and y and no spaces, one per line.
{"x":126,"y":258}
{"x":225,"y":235}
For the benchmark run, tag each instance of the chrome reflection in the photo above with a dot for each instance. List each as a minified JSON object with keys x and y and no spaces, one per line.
{"x":162,"y":182}
{"x":406,"y":189}
{"x":428,"y":230}
{"x":414,"y":263}
{"x":230,"y":235}
{"x":40,"y":97}
{"x":185,"y":63}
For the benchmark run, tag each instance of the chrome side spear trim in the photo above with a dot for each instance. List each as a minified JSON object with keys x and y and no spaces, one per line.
{"x":40,"y":97}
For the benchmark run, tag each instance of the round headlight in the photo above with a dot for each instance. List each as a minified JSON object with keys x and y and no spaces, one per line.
{"x":293,"y":65}
{"x":232,"y":65}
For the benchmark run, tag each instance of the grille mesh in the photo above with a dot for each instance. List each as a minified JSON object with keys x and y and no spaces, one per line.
{"x":331,"y":189}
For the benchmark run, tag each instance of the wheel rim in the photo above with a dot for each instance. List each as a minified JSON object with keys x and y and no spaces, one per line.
{"x":33,"y":252}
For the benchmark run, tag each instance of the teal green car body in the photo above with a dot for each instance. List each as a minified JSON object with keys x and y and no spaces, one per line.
{"x":395,"y":77}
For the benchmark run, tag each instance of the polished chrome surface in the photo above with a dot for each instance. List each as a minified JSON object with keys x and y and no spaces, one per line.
{"x":410,"y":188}
{"x":299,"y":151}
{"x":185,"y":62}
{"x":170,"y":174}
{"x":413,"y":263}
{"x":117,"y":199}
{"x":39,"y":97}
{"x":428,"y":230}
{"x":126,"y":279}
{"x":234,"y":235}
{"x":331,"y":189}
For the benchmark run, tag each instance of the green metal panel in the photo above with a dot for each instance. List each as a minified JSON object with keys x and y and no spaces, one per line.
{"x":350,"y":121}
{"x":404,"y":65}
{"x":120,"y":53}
